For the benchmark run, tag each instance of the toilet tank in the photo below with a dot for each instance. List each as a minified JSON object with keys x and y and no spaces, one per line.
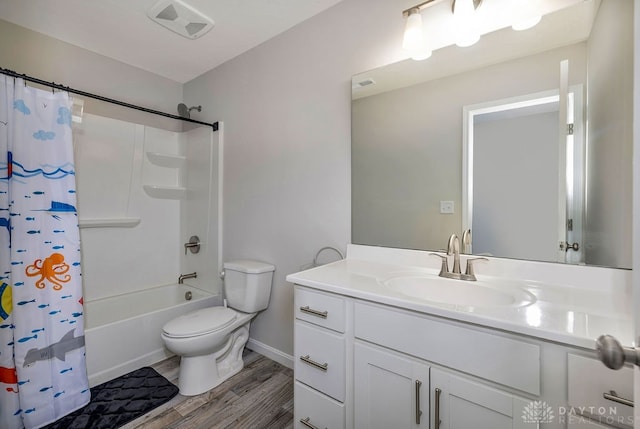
{"x":247,"y":285}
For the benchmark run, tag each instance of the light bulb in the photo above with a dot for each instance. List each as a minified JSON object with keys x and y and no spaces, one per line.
{"x":414,"y":41}
{"x":413,"y":36}
{"x":466,"y":30}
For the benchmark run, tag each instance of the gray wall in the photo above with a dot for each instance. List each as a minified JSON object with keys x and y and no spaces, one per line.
{"x":35,"y":54}
{"x":286,"y":111}
{"x":610,"y":100}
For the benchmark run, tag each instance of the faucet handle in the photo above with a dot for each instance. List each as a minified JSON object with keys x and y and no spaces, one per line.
{"x":193,"y":244}
{"x":469,"y":271}
{"x":444,"y":268}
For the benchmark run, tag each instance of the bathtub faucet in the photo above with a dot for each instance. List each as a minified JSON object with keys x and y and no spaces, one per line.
{"x":186,"y":276}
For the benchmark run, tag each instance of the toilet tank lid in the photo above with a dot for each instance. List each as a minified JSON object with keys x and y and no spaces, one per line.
{"x":249,"y":266}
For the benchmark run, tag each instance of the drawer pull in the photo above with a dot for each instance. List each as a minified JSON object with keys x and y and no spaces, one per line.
{"x":613,"y":396}
{"x":317,"y":313}
{"x":418,"y":411}
{"x":307,"y":423}
{"x":320,"y":366}
{"x":436,"y":411}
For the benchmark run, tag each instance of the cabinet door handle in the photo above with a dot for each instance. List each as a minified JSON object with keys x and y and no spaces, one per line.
{"x":436,"y":411}
{"x":317,"y":313}
{"x":418,"y":411}
{"x":307,"y":423}
{"x":613,"y":396}
{"x":313,"y":363}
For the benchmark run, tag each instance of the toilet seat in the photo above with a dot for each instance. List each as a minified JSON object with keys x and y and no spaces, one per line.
{"x":200,"y":322}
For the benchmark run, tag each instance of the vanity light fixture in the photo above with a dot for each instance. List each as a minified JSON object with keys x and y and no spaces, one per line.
{"x":414,"y":40}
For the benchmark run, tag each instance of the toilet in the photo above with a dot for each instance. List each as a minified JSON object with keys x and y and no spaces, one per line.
{"x":210,"y":341}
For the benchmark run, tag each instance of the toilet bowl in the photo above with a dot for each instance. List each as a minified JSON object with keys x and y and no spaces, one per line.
{"x":210,"y":341}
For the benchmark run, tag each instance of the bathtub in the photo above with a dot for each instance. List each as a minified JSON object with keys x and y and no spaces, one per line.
{"x":122,"y":333}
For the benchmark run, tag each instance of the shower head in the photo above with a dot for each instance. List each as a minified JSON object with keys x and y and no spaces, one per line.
{"x":185,"y":111}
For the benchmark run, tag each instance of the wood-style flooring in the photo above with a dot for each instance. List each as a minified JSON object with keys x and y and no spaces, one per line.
{"x":260,"y":397}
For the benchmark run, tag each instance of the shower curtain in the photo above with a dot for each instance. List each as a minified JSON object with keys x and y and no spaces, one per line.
{"x":42,"y":361}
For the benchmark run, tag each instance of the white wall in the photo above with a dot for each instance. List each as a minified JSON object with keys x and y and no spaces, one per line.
{"x":286,"y":109}
{"x":610,"y":111}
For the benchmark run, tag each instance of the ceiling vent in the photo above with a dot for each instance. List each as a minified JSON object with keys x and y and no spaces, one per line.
{"x":181,"y":18}
{"x":363,"y":83}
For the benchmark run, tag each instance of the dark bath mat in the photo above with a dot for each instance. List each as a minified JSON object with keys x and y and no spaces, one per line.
{"x":119,"y":401}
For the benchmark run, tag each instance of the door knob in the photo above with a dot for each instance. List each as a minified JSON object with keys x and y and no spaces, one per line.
{"x":613,"y":355}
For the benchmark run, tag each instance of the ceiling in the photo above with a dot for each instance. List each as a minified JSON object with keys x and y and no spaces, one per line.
{"x":120,"y":29}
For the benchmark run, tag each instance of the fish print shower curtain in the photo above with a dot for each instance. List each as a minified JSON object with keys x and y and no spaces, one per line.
{"x":42,"y":361}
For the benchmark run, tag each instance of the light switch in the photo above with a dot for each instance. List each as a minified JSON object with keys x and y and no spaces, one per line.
{"x":446,"y":207}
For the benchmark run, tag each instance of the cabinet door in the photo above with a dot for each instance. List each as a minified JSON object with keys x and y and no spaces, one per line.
{"x":391,"y":390}
{"x":464,"y":404}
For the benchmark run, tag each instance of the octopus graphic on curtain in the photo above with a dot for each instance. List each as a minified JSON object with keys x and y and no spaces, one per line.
{"x":42,"y":359}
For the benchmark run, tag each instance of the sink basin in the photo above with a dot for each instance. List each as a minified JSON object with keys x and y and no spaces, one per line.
{"x":458,"y":292}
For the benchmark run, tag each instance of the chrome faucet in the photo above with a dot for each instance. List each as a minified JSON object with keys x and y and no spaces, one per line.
{"x":186,"y":276}
{"x":453,"y":248}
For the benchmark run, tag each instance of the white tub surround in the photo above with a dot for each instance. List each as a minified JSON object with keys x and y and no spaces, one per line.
{"x":369,"y":355}
{"x":122,"y":333}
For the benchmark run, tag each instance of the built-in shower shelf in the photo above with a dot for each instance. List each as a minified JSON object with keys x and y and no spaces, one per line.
{"x":165,"y":192}
{"x":166,"y":160}
{"x":121,"y":222}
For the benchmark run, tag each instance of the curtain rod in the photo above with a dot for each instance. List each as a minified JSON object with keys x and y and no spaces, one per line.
{"x":54,"y":85}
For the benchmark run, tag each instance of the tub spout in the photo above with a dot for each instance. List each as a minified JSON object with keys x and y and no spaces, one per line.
{"x":186,"y":276}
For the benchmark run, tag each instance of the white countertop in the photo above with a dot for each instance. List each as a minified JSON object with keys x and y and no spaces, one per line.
{"x":566,"y":314}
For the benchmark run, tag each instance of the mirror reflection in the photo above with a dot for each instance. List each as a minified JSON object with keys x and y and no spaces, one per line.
{"x":524,"y":138}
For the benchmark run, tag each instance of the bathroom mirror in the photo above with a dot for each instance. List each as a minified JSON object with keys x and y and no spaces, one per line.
{"x":454,"y":142}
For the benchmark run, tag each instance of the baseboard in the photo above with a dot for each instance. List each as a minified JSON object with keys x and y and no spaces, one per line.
{"x":126,"y":367}
{"x":270,"y":352}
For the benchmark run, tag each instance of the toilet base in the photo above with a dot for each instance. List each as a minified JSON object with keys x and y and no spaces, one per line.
{"x":199,"y":374}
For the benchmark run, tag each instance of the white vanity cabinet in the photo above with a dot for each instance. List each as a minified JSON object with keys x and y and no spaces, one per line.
{"x":397,"y":333}
{"x":391,"y":390}
{"x":366,"y":364}
{"x":320,"y":360}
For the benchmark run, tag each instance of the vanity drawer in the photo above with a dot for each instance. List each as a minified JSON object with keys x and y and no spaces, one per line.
{"x":503,"y":360}
{"x":316,"y":409}
{"x":590,"y":380}
{"x":320,"y":359}
{"x":319,"y":308}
